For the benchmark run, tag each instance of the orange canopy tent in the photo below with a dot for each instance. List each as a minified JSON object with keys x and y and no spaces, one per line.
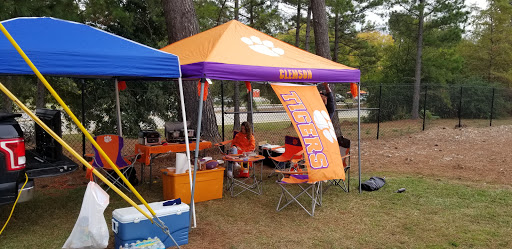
{"x":234,"y":51}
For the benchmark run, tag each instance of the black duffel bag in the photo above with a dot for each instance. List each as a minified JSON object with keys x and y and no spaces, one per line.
{"x":373,"y":184}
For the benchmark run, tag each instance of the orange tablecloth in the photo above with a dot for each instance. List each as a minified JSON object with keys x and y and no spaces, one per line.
{"x":146,"y":150}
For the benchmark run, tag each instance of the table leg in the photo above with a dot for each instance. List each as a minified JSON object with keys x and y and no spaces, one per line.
{"x":260,"y":186}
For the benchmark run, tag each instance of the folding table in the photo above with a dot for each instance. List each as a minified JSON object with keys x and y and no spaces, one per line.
{"x":149,"y":152}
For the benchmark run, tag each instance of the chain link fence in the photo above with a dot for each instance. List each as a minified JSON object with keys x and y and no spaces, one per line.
{"x":385,"y":110}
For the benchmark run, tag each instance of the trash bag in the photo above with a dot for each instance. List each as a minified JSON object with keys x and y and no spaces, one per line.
{"x":90,"y":229}
{"x":374,"y":183}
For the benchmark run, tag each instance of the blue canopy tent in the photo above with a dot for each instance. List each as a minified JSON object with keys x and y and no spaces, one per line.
{"x":70,"y":49}
{"x":64,"y":48}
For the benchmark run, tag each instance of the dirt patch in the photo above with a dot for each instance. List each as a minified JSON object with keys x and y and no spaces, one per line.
{"x":475,"y":154}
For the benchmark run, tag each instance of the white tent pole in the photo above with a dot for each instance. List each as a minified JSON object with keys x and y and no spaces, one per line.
{"x":185,"y":128}
{"x":359,"y":131}
{"x":198,"y":140}
{"x":118,"y":109}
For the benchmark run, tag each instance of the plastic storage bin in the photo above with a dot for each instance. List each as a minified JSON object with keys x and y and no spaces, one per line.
{"x":129,"y":225}
{"x":208,"y":185}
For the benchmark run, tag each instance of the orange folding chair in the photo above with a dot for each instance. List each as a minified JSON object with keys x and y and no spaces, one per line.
{"x":291,"y":157}
{"x":300,"y":195}
{"x":113,"y":145}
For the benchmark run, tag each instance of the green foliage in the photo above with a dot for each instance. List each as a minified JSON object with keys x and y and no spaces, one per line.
{"x":138,"y":20}
{"x":428,"y":115}
{"x":394,"y":101}
{"x":140,"y":104}
{"x":63,"y":9}
{"x":488,"y":53}
{"x":262,"y":15}
{"x":212,"y":13}
{"x":441,"y":60}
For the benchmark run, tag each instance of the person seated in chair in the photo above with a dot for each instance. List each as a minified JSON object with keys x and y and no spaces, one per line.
{"x":243,"y":142}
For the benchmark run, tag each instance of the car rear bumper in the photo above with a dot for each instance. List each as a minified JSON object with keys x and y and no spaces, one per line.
{"x":28,"y":191}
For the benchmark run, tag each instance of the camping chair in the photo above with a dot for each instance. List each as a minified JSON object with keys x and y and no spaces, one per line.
{"x":224,"y":149}
{"x":299,"y":180}
{"x":344,"y":144}
{"x":222,"y":145}
{"x":292,"y":155}
{"x":112,"y":145}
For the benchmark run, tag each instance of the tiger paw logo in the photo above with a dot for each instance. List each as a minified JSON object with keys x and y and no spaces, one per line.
{"x":324,"y":125}
{"x":263,"y":47}
{"x":107,"y":139}
{"x":295,"y":141}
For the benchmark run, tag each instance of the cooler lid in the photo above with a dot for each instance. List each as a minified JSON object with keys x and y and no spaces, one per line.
{"x":130,"y":214}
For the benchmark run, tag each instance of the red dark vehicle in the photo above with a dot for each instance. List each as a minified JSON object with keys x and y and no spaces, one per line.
{"x":46,"y":160}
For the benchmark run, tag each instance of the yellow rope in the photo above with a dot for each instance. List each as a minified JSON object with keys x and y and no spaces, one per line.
{"x":71,"y":150}
{"x":12,"y":210}
{"x":73,"y":117}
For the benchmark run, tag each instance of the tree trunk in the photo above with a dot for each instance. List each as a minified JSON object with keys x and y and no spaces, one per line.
{"x":336,"y":36}
{"x":181,"y":20}
{"x":417,"y":73}
{"x":41,"y":93}
{"x":219,"y":17}
{"x":297,"y":29}
{"x":251,"y":13}
{"x":236,"y":86}
{"x":322,"y":46}
{"x":308,"y":27}
{"x":237,"y":89}
{"x":236,"y":9}
{"x":320,"y":28}
{"x":236,"y":105}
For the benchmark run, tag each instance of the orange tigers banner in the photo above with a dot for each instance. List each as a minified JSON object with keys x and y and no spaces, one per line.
{"x":314,"y":127}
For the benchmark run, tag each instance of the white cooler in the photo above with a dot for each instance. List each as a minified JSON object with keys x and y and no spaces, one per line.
{"x":129,"y":225}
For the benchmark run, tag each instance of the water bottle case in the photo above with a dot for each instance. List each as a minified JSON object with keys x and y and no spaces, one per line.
{"x":149,"y":243}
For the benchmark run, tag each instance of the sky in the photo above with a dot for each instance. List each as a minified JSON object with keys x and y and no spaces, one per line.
{"x":381,"y":22}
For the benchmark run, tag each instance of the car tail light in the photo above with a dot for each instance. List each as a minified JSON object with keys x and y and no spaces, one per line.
{"x":14,"y":151}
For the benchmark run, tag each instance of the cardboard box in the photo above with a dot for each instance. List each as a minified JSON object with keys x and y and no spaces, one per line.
{"x":129,"y":225}
{"x":209,"y":185}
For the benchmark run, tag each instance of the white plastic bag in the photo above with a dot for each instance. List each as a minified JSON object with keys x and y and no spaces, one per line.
{"x":90,"y":229}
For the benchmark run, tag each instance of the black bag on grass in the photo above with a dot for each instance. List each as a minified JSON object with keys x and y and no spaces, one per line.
{"x":373,"y":184}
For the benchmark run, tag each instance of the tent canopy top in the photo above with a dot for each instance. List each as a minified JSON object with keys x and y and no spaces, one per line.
{"x":65,"y":48}
{"x":234,"y":51}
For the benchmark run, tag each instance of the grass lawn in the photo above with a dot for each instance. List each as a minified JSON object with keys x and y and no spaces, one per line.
{"x":432,"y":213}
